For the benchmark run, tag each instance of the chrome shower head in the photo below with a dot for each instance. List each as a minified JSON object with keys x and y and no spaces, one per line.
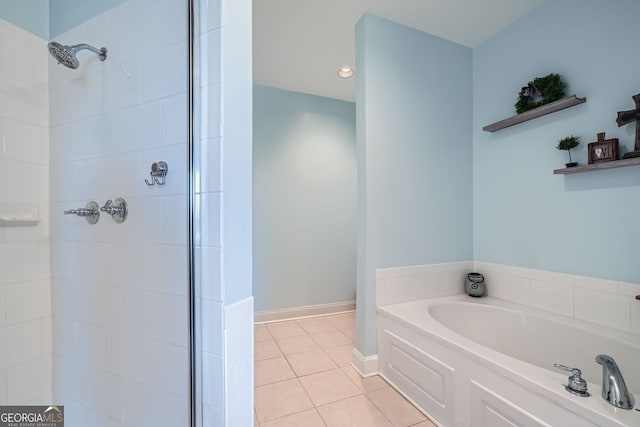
{"x":66,"y":55}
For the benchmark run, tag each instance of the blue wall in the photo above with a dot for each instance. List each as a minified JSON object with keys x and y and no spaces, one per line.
{"x":523,"y":214}
{"x":31,"y":15}
{"x":50,"y":18}
{"x":414,"y":117}
{"x":66,"y":14}
{"x":304,"y":199}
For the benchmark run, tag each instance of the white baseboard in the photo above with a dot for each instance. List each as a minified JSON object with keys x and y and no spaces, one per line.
{"x":305,"y":311}
{"x":366,"y":366}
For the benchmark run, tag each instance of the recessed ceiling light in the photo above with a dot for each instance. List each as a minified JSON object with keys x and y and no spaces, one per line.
{"x":345,"y":72}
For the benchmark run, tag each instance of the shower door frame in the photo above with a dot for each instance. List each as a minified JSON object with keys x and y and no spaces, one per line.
{"x":194,"y":366}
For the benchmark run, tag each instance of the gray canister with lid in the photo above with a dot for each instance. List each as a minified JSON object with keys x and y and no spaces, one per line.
{"x":475,"y":284}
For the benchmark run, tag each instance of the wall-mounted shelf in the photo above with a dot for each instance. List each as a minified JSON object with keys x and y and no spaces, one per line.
{"x":19,"y":215}
{"x":597,"y":166}
{"x":18,"y":222}
{"x":543,"y":110}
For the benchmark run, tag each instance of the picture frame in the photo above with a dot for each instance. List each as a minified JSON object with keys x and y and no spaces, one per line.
{"x":603,"y":150}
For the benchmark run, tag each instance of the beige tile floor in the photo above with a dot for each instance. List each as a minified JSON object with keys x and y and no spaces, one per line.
{"x":304,"y":378}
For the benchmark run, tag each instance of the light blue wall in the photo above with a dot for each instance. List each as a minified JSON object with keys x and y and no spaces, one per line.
{"x":66,"y":14}
{"x":586,"y":223}
{"x":31,"y":15}
{"x":50,"y":18}
{"x":304,"y":199}
{"x":414,"y":117}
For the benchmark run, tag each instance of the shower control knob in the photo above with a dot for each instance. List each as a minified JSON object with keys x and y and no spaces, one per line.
{"x":116,"y":208}
{"x":90,"y":212}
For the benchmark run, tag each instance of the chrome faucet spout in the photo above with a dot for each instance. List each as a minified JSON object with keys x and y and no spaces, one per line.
{"x":614,"y":389}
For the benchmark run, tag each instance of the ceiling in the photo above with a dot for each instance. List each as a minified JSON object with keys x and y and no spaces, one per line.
{"x":299,"y":45}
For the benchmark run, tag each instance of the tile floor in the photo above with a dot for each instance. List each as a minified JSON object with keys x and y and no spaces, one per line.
{"x":304,"y":378}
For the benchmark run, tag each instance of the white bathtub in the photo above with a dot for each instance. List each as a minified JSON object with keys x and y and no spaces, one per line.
{"x":486,"y":362}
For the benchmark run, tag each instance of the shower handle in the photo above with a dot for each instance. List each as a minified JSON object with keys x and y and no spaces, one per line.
{"x":116,"y":208}
{"x":90,"y":212}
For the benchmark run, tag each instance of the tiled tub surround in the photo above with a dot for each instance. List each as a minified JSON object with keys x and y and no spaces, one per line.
{"x":408,"y":341}
{"x":395,"y":285}
{"x":605,"y":302}
{"x":25,"y":284}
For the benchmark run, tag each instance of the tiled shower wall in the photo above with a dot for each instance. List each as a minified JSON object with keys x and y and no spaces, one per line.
{"x":120,"y":291}
{"x":25,"y":299}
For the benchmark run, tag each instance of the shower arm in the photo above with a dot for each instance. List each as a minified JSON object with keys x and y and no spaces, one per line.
{"x":102,"y":52}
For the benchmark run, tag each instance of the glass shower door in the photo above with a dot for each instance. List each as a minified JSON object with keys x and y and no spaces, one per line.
{"x":94,"y":302}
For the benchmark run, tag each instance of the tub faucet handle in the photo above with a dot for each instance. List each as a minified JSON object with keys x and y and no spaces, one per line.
{"x":575,"y":371}
{"x":577,"y":385}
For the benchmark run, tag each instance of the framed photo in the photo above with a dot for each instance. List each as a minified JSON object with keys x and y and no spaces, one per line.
{"x":603,"y":150}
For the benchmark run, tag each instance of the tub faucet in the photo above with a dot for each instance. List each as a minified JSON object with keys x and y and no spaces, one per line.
{"x":614,"y":390}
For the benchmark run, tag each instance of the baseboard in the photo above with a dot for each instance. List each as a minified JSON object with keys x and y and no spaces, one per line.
{"x":305,"y":311}
{"x":366,"y":366}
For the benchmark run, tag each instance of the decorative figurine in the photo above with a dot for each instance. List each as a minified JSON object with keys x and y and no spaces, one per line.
{"x":626,"y":117}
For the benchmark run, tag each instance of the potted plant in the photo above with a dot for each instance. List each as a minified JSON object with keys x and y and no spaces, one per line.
{"x":567,"y":144}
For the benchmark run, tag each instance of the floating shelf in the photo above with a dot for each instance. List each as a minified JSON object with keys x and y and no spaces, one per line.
{"x":597,"y":166}
{"x":543,"y":110}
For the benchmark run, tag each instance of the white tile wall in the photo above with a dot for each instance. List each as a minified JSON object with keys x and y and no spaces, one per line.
{"x":25,"y":285}
{"x":28,"y":301}
{"x":173,"y":30}
{"x":555,"y":297}
{"x":211,"y":273}
{"x":142,"y":404}
{"x":605,"y":308}
{"x":3,"y":307}
{"x":402,"y":284}
{"x":514,"y":288}
{"x":211,"y":67}
{"x":24,"y":381}
{"x":605,"y":302}
{"x":3,"y":387}
{"x":25,"y":339}
{"x":227,"y":363}
{"x":119,"y":301}
{"x":601,"y":301}
{"x":210,"y":166}
{"x":238,"y":361}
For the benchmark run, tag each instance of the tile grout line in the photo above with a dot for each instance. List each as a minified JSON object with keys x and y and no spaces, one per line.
{"x":338,"y":366}
{"x":297,"y":378}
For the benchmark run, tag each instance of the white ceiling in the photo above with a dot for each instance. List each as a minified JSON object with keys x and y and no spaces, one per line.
{"x":299,"y":45}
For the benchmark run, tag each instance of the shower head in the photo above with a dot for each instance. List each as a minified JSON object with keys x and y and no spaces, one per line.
{"x":66,"y":55}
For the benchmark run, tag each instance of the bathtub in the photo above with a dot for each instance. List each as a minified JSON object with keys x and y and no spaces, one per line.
{"x":469,"y":362}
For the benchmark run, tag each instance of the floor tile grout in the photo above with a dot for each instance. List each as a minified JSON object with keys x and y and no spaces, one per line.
{"x":362,"y":391}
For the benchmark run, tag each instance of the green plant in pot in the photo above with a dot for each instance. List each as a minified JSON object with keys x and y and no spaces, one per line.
{"x":567,"y":144}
